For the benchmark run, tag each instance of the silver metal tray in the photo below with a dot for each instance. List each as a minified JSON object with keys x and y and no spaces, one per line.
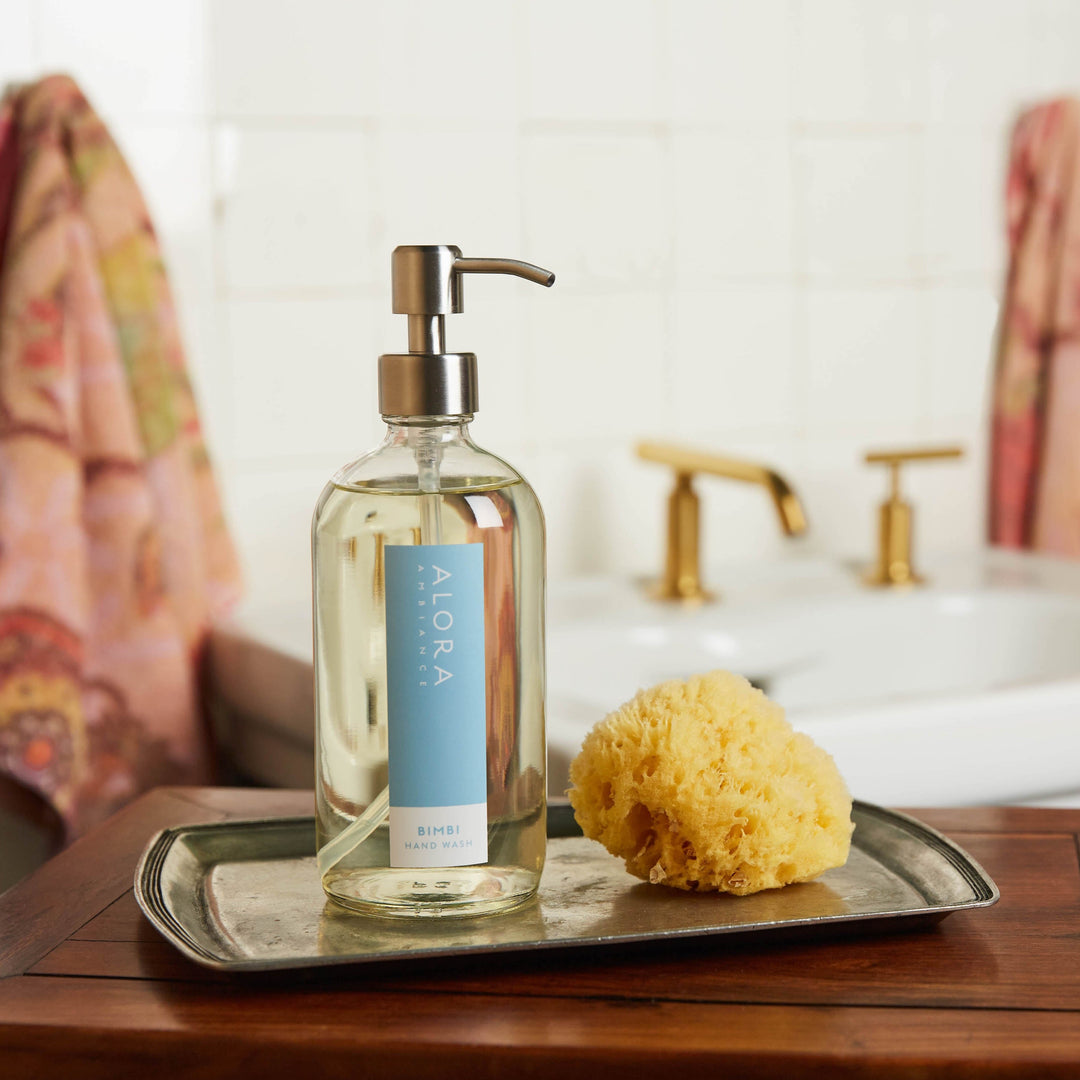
{"x":245,"y":896}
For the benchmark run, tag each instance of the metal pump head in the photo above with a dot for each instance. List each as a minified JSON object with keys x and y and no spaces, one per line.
{"x":427,"y":286}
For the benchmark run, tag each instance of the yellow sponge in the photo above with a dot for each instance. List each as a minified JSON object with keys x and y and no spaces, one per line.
{"x":703,"y":785}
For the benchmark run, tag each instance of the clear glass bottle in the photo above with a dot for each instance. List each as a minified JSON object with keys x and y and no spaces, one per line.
{"x":428,"y":560}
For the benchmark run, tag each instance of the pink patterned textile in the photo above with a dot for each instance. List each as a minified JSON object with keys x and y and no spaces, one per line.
{"x":1035,"y":447}
{"x":114,"y":555}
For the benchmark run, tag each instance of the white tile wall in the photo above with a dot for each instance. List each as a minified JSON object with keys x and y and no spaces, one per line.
{"x":864,"y":359}
{"x":278,"y":60}
{"x":271,"y":522}
{"x":1054,"y":29}
{"x":136,"y":58}
{"x":962,"y":184}
{"x":980,"y":60}
{"x":443,"y":186}
{"x":753,"y":388}
{"x":445,"y":62}
{"x":961,"y":321}
{"x":301,"y":385}
{"x":603,"y":508}
{"x":729,"y":64}
{"x":18,"y":50}
{"x":776,"y":226}
{"x":732,"y":206}
{"x":494,"y":327}
{"x":295,"y":209}
{"x":598,"y":207}
{"x":592,"y":61}
{"x":599,"y":371}
{"x":856,"y":199}
{"x":859,"y":63}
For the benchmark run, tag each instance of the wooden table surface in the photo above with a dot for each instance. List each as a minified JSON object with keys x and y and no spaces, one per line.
{"x":89,"y":989}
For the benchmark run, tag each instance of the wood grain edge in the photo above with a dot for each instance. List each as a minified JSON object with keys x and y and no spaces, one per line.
{"x":998,"y":819}
{"x":69,"y":890}
{"x":249,"y":802}
{"x":191,"y":1033}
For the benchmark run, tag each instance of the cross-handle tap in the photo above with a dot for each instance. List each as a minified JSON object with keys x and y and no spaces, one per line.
{"x":896,"y":528}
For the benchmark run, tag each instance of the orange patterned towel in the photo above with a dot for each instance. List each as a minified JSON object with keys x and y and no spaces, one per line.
{"x":1035,"y":450}
{"x":114,"y":556}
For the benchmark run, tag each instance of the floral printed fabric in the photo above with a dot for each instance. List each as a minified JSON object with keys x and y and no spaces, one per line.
{"x":1035,"y":449}
{"x":114,"y":556}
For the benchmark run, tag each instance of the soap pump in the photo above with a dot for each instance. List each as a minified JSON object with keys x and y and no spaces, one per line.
{"x":429,"y":579}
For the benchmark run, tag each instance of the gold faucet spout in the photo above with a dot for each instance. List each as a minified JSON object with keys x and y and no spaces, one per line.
{"x":792,"y":518}
{"x":681,"y":578}
{"x":683,"y":460}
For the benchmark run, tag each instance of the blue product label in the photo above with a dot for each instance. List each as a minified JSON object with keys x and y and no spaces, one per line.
{"x":436,"y":704}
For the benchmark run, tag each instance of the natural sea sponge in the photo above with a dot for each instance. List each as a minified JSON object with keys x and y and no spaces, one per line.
{"x":703,"y":785}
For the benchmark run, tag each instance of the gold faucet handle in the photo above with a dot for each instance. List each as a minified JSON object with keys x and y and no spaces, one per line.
{"x":895,"y":516}
{"x":685,"y":460}
{"x":918,"y":453}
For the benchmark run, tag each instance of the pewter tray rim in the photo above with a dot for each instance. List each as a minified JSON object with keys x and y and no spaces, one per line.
{"x":196,"y":943}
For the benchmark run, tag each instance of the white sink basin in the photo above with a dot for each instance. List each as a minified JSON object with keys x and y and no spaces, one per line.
{"x":964,"y":691}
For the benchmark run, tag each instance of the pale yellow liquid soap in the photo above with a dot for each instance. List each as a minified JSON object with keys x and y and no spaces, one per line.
{"x":358,"y":516}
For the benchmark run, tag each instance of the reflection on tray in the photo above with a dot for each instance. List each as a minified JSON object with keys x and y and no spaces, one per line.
{"x":246,"y":896}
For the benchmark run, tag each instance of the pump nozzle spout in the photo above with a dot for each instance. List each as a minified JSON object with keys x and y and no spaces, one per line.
{"x":515,"y":267}
{"x":427,"y":278}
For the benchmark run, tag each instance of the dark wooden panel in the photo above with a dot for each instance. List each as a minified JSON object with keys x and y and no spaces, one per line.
{"x":120,"y":921}
{"x":249,"y":802}
{"x":69,"y":890}
{"x":210,"y":1032}
{"x":151,"y":958}
{"x":85,"y":879}
{"x":987,"y":993}
{"x":1009,"y":819}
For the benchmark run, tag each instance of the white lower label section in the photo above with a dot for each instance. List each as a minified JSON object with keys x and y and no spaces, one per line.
{"x":438,"y":835}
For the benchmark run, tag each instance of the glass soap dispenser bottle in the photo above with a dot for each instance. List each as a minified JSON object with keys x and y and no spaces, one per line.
{"x":429,"y":582}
